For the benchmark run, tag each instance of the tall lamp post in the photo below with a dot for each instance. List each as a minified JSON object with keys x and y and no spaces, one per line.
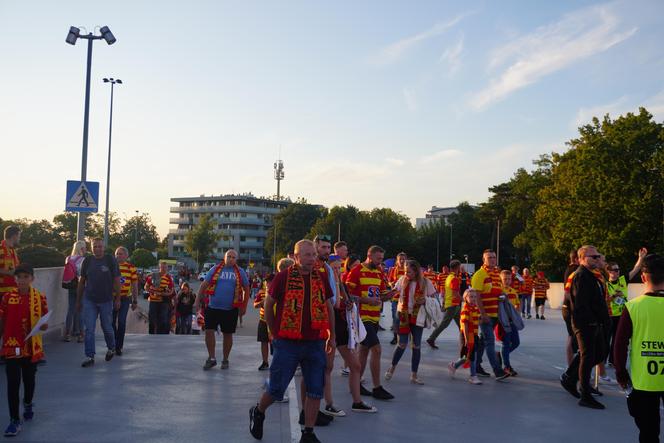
{"x":73,"y":35}
{"x":278,"y":176}
{"x":136,"y":232}
{"x":113,"y":82}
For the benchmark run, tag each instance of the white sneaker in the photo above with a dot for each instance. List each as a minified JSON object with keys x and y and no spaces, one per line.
{"x":452,"y":369}
{"x":474,"y":380}
{"x":606,"y":380}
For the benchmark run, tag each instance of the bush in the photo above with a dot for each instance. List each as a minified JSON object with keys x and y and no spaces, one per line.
{"x":142,"y":258}
{"x":39,"y":256}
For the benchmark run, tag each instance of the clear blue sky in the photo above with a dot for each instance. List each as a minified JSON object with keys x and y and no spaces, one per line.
{"x":398,"y":104}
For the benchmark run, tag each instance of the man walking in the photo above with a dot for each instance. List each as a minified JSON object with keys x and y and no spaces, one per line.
{"x":99,"y":292}
{"x":591,"y":325}
{"x":452,"y":302}
{"x":368,"y":283}
{"x":227,"y":287}
{"x":641,"y":323}
{"x":128,"y":295}
{"x":303,"y":331}
{"x":161,"y":293}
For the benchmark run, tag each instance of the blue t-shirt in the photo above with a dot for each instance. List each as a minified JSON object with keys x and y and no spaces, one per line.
{"x":225,"y":290}
{"x":99,"y":274}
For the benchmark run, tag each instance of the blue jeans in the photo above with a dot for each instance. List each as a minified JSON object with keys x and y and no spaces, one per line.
{"x":511,"y":341}
{"x":183,"y":324}
{"x":91,"y":311}
{"x":73,"y":323}
{"x":473,"y":359}
{"x":120,"y":322}
{"x":488,"y":342}
{"x":309,"y":354}
{"x":525,"y":303}
{"x":416,"y":332}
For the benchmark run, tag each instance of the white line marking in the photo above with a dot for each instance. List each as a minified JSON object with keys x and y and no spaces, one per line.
{"x":294,"y":413}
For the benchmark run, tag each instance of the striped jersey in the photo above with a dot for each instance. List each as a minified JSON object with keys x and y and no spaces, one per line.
{"x":452,"y":285}
{"x":8,"y":262}
{"x":128,"y":276}
{"x":540,"y":285}
{"x":364,"y":282}
{"x":165,"y":285}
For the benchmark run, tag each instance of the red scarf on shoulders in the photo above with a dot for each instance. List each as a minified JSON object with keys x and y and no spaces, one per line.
{"x":237,"y":296}
{"x":407,"y":319}
{"x":291,"y":315}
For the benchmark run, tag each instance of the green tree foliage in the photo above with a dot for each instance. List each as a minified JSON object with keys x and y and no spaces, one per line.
{"x":138,"y":232}
{"x":292,"y":224}
{"x":200,"y":241}
{"x":142,"y":258}
{"x":39,"y":256}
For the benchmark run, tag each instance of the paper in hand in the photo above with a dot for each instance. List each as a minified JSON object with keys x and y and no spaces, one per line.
{"x":42,"y":321}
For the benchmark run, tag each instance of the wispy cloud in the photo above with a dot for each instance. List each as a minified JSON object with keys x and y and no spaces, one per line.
{"x":394,"y":51}
{"x":445,"y":154}
{"x":394,"y":161}
{"x":452,"y":56}
{"x":575,"y":37}
{"x":621,"y":106}
{"x":409,"y":99}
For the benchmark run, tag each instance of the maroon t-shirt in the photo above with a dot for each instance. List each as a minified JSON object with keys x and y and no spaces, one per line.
{"x":277,"y":291}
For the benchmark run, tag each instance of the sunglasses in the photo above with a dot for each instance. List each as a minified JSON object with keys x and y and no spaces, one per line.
{"x":596,"y":257}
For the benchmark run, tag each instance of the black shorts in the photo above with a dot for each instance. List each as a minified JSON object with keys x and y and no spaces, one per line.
{"x":340,"y":328}
{"x":540,"y":301}
{"x":371,"y":339}
{"x":262,"y":335}
{"x":227,"y":320}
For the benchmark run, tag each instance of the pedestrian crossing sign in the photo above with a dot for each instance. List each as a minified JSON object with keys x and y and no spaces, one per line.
{"x":82,"y":196}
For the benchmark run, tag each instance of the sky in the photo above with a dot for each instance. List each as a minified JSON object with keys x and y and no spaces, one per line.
{"x":393,"y":104}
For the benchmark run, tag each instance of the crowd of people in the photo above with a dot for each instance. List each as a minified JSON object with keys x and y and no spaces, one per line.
{"x":322,"y":299}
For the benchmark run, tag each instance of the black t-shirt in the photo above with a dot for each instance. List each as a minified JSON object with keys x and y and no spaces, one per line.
{"x":186,"y":303}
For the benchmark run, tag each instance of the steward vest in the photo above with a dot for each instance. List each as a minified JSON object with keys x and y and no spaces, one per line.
{"x":647,"y":347}
{"x":617,"y":301}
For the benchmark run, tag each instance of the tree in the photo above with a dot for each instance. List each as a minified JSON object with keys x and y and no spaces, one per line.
{"x":200,"y":241}
{"x":292,"y":224}
{"x":139,"y":232}
{"x":142,"y":258}
{"x":39,"y":256}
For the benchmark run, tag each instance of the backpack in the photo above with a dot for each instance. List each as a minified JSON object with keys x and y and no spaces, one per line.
{"x":69,"y":279}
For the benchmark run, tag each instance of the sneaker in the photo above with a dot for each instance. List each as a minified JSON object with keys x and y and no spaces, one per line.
{"x":345,"y":372}
{"x":224,"y":364}
{"x":416,"y":381}
{"x":28,"y":413}
{"x":109,"y":354}
{"x":451,"y":369}
{"x":263,"y":367}
{"x":321,"y":419}
{"x":474,"y":380}
{"x":569,"y":386}
{"x":393,"y":341}
{"x":542,"y":317}
{"x":256,"y":419}
{"x":118,"y":352}
{"x":365,"y":391}
{"x":88,"y":362}
{"x":501,"y":375}
{"x":590,"y":402}
{"x":381,"y":394}
{"x":481,"y":372}
{"x":309,"y":437}
{"x":209,"y":364}
{"x":388,"y":374}
{"x":333,"y":411}
{"x":511,"y":371}
{"x":606,"y":380}
{"x":432,"y":343}
{"x":13,"y":429}
{"x":529,"y":317}
{"x":67,"y":338}
{"x":537,"y":316}
{"x":595,"y":391}
{"x":363,"y":407}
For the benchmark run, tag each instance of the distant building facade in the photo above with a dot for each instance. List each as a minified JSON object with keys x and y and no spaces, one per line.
{"x":434,"y":215}
{"x":241,"y":220}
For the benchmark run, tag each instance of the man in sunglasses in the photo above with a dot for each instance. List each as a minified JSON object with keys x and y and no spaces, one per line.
{"x":591,"y":325}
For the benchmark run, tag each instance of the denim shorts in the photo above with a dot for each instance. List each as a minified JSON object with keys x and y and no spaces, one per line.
{"x":288,"y":354}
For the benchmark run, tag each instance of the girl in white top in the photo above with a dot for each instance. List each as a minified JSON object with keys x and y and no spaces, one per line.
{"x":413,"y":289}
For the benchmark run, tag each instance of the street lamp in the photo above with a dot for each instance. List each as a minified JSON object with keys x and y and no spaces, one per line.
{"x":73,"y":35}
{"x":136,"y":232}
{"x":278,"y":176}
{"x":113,"y":82}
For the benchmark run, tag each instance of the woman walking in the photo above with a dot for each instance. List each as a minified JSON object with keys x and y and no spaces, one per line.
{"x":73,"y":321}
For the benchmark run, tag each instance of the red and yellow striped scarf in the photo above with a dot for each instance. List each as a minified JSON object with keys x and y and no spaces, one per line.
{"x":470,"y":315}
{"x":407,"y":319}
{"x":14,"y":334}
{"x":291,"y":316}
{"x":237,"y":296}
{"x":8,"y":262}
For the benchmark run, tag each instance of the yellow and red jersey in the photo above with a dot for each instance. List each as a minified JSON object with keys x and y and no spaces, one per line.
{"x":128,"y":276}
{"x":165,"y":285}
{"x":8,"y":262}
{"x":487,"y":282}
{"x":441,"y":278}
{"x":540,"y":285}
{"x":259,"y":302}
{"x":527,"y":285}
{"x":452,"y":286}
{"x":365,"y":282}
{"x":512,"y":296}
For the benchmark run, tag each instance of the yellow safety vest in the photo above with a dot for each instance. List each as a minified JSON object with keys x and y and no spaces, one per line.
{"x":647,"y":346}
{"x":617,"y":300}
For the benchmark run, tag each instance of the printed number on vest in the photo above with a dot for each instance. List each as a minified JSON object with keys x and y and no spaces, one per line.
{"x":655,"y":368}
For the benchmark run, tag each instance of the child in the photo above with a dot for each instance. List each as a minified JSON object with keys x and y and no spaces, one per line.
{"x":510,"y":339}
{"x":20,"y":310}
{"x":470,"y":325}
{"x":540,"y":285}
{"x":263,"y":334}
